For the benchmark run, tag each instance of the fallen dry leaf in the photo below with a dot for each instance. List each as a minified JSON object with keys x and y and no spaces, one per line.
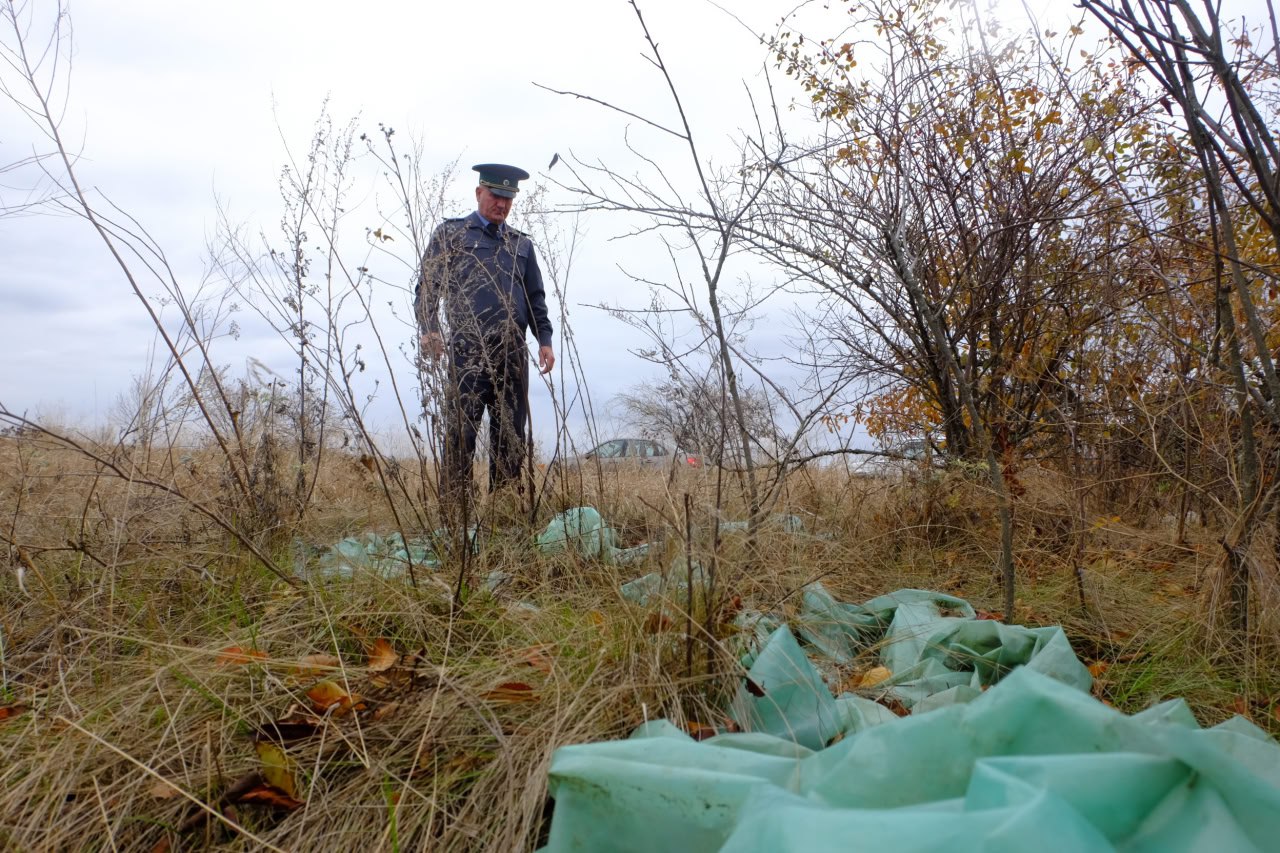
{"x":731,"y":608}
{"x":235,"y":656}
{"x":1098,"y":667}
{"x":328,"y":696}
{"x":874,"y":676}
{"x":277,"y":769}
{"x":380,"y":681}
{"x":383,"y":711}
{"x":596,"y":617}
{"x":994,"y":615}
{"x":356,"y":630}
{"x":265,"y":795}
{"x":754,"y":688}
{"x":297,"y":724}
{"x":8,"y":712}
{"x":163,"y":791}
{"x":382,"y":655}
{"x":700,"y":731}
{"x":316,"y":665}
{"x":536,"y":657}
{"x":656,"y":623}
{"x":467,"y":762}
{"x":511,"y":691}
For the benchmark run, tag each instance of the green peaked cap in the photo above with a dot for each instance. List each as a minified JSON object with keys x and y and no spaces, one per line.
{"x":501,"y":179}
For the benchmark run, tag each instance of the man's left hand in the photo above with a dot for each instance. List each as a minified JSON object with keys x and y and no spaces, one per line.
{"x":546,"y":359}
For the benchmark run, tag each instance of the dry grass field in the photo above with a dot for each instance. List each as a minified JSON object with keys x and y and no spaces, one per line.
{"x":161,"y":690}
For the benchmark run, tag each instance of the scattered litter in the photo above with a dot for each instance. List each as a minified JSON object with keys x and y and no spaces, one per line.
{"x":581,"y":530}
{"x":387,"y":557}
{"x":1002,"y":748}
{"x":778,"y":521}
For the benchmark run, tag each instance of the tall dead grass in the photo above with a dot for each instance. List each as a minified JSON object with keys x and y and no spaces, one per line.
{"x":144,"y":653}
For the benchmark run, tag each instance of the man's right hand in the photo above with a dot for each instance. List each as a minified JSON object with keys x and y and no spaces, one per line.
{"x":432,"y":345}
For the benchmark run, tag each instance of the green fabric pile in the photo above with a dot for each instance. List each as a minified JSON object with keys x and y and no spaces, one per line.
{"x":1004,"y":750}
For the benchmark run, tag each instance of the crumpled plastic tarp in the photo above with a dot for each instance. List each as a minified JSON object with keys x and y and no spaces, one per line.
{"x":1030,"y":764}
{"x":581,"y":530}
{"x":1004,"y":750}
{"x":387,"y":557}
{"x":934,"y":650}
{"x":584,"y":531}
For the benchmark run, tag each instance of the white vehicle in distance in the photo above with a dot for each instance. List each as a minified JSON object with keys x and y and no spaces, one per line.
{"x":913,"y":454}
{"x":637,"y":453}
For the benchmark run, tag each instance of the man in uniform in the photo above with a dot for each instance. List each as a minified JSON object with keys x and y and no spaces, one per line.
{"x":486,"y":274}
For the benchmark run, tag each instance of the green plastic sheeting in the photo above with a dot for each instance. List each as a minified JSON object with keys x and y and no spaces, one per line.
{"x":1004,"y":750}
{"x":387,"y":557}
{"x":580,"y":530}
{"x":935,"y":659}
{"x":777,"y":521}
{"x":932,"y":643}
{"x":1030,"y":764}
{"x":583,"y":530}
{"x":659,"y":586}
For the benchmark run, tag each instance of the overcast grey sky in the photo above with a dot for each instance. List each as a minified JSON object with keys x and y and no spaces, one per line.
{"x":177,"y":107}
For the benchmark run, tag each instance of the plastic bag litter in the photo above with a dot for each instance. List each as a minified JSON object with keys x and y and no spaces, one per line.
{"x":387,"y":556}
{"x":674,"y":583}
{"x":1032,"y":761}
{"x":384,"y":556}
{"x":931,"y":642}
{"x":581,"y":529}
{"x":777,"y":521}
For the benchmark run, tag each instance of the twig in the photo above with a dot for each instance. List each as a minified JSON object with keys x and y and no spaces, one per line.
{"x":144,"y":768}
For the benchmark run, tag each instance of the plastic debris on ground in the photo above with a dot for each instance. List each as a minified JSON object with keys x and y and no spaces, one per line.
{"x":785,"y":523}
{"x":387,"y":557}
{"x":1003,"y":750}
{"x":583,"y":530}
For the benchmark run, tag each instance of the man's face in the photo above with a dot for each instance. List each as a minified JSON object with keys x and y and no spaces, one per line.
{"x":492,"y":207}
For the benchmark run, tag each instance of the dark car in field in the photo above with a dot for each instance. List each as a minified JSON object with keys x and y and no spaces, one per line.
{"x":638,"y":452}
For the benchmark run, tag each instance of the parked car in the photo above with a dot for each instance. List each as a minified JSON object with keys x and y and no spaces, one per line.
{"x":912,"y":455}
{"x":638,"y":452}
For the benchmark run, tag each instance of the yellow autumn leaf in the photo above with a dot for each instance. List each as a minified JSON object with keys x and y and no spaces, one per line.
{"x":315,"y":665}
{"x":277,"y":769}
{"x":382,"y":655}
{"x":328,"y":695}
{"x":874,"y":676}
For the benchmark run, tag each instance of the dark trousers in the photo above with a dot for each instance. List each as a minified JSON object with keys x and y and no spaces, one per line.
{"x":492,"y":376}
